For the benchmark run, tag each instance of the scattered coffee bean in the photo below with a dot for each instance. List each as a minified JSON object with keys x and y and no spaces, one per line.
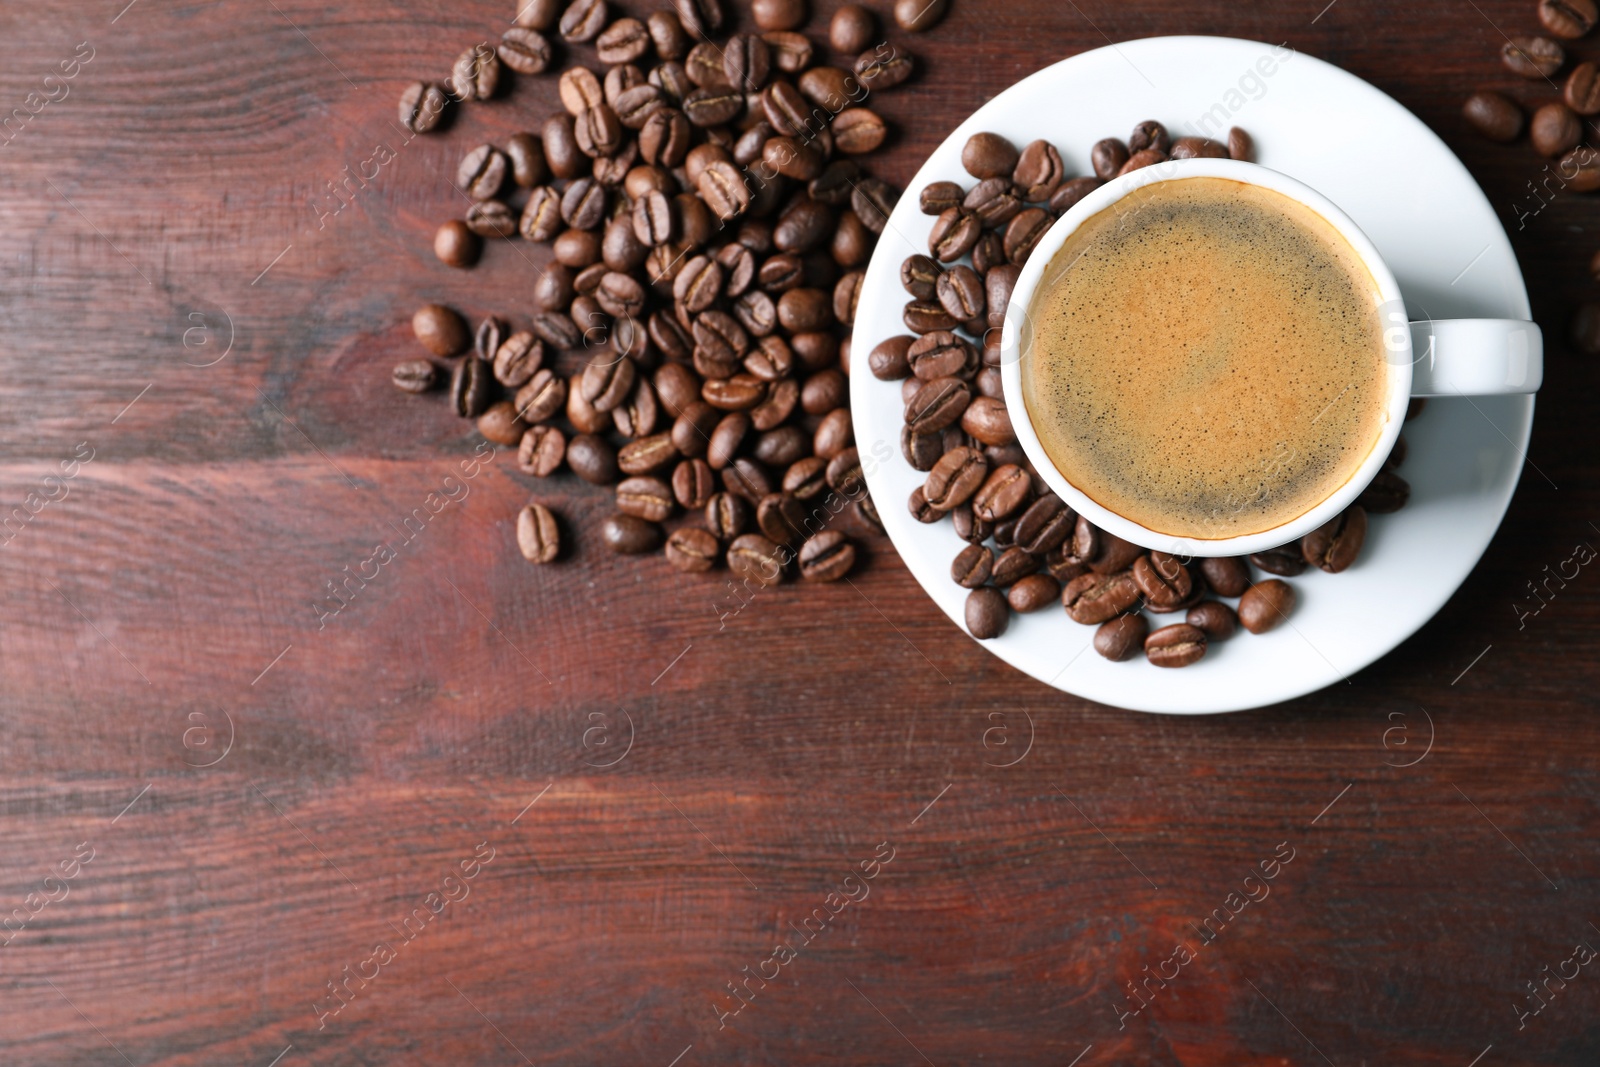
{"x":415,"y":376}
{"x":1215,"y":618}
{"x":422,"y":106}
{"x":987,"y":612}
{"x":826,"y":557}
{"x":988,"y":155}
{"x":1227,"y":575}
{"x":538,"y":536}
{"x":756,"y":559}
{"x":1555,"y":129}
{"x":456,"y":245}
{"x":1497,"y":117}
{"x":1385,"y":494}
{"x":1119,"y":638}
{"x":541,"y":451}
{"x":1241,"y":146}
{"x":441,"y":330}
{"x":1532,"y":57}
{"x":1334,"y":545}
{"x":1177,"y":645}
{"x":1570,"y":19}
{"x":1265,"y":604}
{"x":628,"y":535}
{"x":1033,"y":592}
{"x":1094,"y":598}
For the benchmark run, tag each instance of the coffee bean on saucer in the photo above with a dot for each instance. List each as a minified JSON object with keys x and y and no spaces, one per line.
{"x":1532,"y":57}
{"x":987,"y":419}
{"x":938,"y":197}
{"x":1012,"y":565}
{"x":954,"y":233}
{"x":1033,"y":592}
{"x":1581,"y":90}
{"x":1265,"y":604}
{"x":692,"y":549}
{"x":1094,"y":598}
{"x":1227,"y":575}
{"x":415,"y":376}
{"x":1285,"y":560}
{"x":1177,"y":645}
{"x":538,"y":536}
{"x":1215,"y":618}
{"x":1038,"y":172}
{"x":1198,"y":148}
{"x":1570,"y":19}
{"x":994,"y":201}
{"x":1119,"y":638}
{"x":826,"y":557}
{"x":1112,"y":553}
{"x":1145,"y":157}
{"x":1002,"y":494}
{"x":1385,"y":494}
{"x":1555,"y":129}
{"x":1045,"y":525}
{"x":1162,"y":580}
{"x":456,"y":245}
{"x":1071,"y":192}
{"x":987,"y":613}
{"x":1241,"y":146}
{"x":1149,"y":135}
{"x":1335,"y":544}
{"x":920,"y":509}
{"x":888,"y":361}
{"x":1498,"y":117}
{"x":441,"y":330}
{"x":988,"y":155}
{"x":1107,"y":158}
{"x":972,"y":566}
{"x":919,"y":275}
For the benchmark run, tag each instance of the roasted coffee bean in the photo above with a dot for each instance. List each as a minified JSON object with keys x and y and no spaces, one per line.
{"x":1038,"y":172}
{"x":673,"y":79}
{"x":939,"y":197}
{"x":538,"y":536}
{"x":806,"y":478}
{"x":1568,"y":18}
{"x":1335,"y":544}
{"x":826,"y":557}
{"x":482,"y":172}
{"x":1013,"y":565}
{"x":1024,"y":232}
{"x":994,"y":201}
{"x":858,"y":130}
{"x":878,"y":71}
{"x":636,"y":416}
{"x":805,"y":310}
{"x":524,"y":50}
{"x":581,"y":413}
{"x":834,"y":434}
{"x":1265,"y":604}
{"x":422,"y":106}
{"x":628,"y":535}
{"x":722,"y":188}
{"x":1163,"y":581}
{"x":456,"y":245}
{"x":968,"y":527}
{"x":692,"y":550}
{"x":888,"y":361}
{"x":638,"y":104}
{"x":781,"y":518}
{"x":488,"y":337}
{"x":989,"y":155}
{"x":746,"y":62}
{"x":415,"y":376}
{"x":828,"y":87}
{"x":1044,"y":526}
{"x":583,"y":205}
{"x":753,"y":558}
{"x":756,"y":313}
{"x":741,"y":392}
{"x":824,"y":391}
{"x":1071,"y":192}
{"x":942,"y":354}
{"x":916,"y":16}
{"x":644,"y":497}
{"x":1112,"y":553}
{"x":1581,"y":93}
{"x":728,"y":515}
{"x":919,"y":275}
{"x":1240,"y":146}
{"x":647,"y":455}
{"x":624,"y":41}
{"x":1063,"y":565}
{"x":791,"y":52}
{"x":593,"y":459}
{"x":844,"y":473}
{"x":538,"y":14}
{"x":835,"y":184}
{"x":1003,"y":494}
{"x":747,"y":478}
{"x":607,"y":379}
{"x":1149,"y":134}
{"x":1555,"y":129}
{"x":676,"y":386}
{"x":1215,"y":618}
{"x":543,"y":396}
{"x":938,"y":404}
{"x":921,"y":450}
{"x":1121,"y":637}
{"x":491,"y":218}
{"x":476,"y":74}
{"x":1177,"y":645}
{"x":1094,"y":598}
{"x":667,"y":34}
{"x":1107,"y":158}
{"x":1532,"y":57}
{"x":786,"y":110}
{"x":664,"y":138}
{"x":1032,"y":592}
{"x":989,"y":384}
{"x":583,"y":20}
{"x":1227,"y":575}
{"x":954,"y":479}
{"x":851,"y":29}
{"x":1580,"y":168}
{"x":954,"y":233}
{"x":713,"y":106}
{"x":541,"y":451}
{"x":1198,"y":148}
{"x":972,"y":566}
{"x":1498,"y":117}
{"x":441,"y":330}
{"x":598,"y":132}
{"x":771,"y":359}
{"x":517,"y":359}
{"x":561,"y":153}
{"x":1141,"y":159}
{"x":700,"y":18}
{"x":621,"y":250}
{"x":961,"y":292}
{"x":803,"y":226}
{"x":782,"y":396}
{"x":1285,"y":560}
{"x":846,"y":297}
{"x":692,"y":431}
{"x":987,"y":612}
{"x":557,"y":330}
{"x":541,"y":218}
{"x":698,"y":284}
{"x":814,"y":351}
{"x":998,"y":284}
{"x":1385,"y":494}
{"x":872,"y":199}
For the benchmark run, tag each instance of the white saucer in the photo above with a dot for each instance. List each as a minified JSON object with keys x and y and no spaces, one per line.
{"x":1438,"y":234}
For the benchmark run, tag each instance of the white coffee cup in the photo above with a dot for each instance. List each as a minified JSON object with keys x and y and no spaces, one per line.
{"x":1447,"y":357}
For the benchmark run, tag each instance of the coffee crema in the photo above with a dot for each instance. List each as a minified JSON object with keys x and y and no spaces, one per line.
{"x":1205,"y":357}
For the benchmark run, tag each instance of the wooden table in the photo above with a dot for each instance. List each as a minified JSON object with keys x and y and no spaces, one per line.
{"x":250,"y":805}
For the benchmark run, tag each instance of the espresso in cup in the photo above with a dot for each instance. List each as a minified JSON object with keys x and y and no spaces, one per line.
{"x":1206,"y":358}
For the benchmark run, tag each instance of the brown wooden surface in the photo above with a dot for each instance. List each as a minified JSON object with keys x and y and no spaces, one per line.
{"x":170,"y":593}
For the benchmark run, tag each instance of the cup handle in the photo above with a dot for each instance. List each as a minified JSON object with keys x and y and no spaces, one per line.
{"x":1476,"y":357}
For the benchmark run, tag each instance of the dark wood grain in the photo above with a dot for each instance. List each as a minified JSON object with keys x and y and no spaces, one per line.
{"x":169,"y":595}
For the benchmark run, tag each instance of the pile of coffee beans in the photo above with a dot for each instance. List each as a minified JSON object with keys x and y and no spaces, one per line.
{"x":1026,"y":549}
{"x":709,"y":223}
{"x":1556,"y":130}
